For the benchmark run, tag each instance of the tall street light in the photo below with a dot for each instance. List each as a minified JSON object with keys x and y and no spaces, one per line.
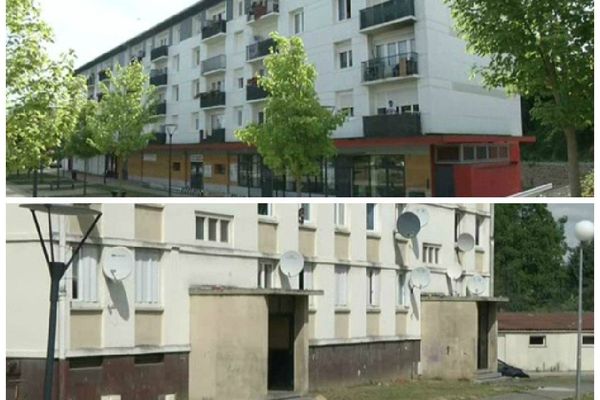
{"x":584,"y":232}
{"x":57,"y":270}
{"x":170,"y":130}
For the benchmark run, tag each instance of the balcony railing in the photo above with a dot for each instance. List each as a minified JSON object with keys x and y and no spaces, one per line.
{"x":212,"y":99}
{"x":214,"y":64}
{"x":259,"y":9}
{"x":139,"y":57}
{"x":212,"y":28}
{"x":103,"y":75}
{"x":398,"y":66}
{"x":255,"y":92}
{"x":159,"y":77}
{"x":159,"y":138}
{"x":159,"y":52}
{"x":259,"y":49}
{"x":161,"y":108}
{"x":386,"y":12}
{"x":392,"y":125}
{"x":215,"y":136}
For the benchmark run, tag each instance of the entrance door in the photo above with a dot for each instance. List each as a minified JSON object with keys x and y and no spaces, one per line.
{"x":281,"y":344}
{"x":444,"y":181}
{"x":483,"y":336}
{"x":266,"y":182}
{"x":197,"y":176}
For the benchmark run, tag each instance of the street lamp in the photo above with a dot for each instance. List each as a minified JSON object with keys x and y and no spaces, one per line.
{"x":57,"y":270}
{"x":170,"y":130}
{"x":584,"y":232}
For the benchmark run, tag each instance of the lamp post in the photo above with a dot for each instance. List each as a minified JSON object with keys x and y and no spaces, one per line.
{"x":170,"y":130}
{"x":584,"y":232}
{"x":57,"y":270}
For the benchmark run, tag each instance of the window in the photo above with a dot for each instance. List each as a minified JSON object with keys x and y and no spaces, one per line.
{"x":344,"y":9}
{"x":304,"y":214}
{"x":537,"y":340}
{"x":371,"y":217}
{"x":265,"y":209}
{"x":344,"y":101}
{"x":265,"y":274}
{"x":196,"y":57}
{"x":340,"y":215}
{"x":239,"y":113}
{"x":249,"y":170}
{"x":345,"y":58}
{"x":176,"y":63}
{"x":306,"y":277}
{"x":431,"y":254}
{"x":478,"y":223}
{"x":240,"y":8}
{"x":240,"y":83}
{"x":372,"y":287}
{"x":458,"y":216}
{"x":196,"y":121}
{"x":85,"y":274}
{"x":401,"y":300}
{"x":587,"y":340}
{"x":176,"y":166}
{"x":176,"y":93}
{"x":147,"y":276}
{"x":213,"y":229}
{"x":298,"y":22}
{"x":341,"y":286}
{"x":469,"y":153}
{"x":195,"y":88}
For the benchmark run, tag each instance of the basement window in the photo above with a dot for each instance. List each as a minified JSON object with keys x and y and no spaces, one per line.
{"x":587,"y":340}
{"x":85,"y":362}
{"x":537,"y":341}
{"x":156,"y":358}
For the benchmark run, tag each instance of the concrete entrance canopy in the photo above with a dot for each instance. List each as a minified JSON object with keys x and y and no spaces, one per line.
{"x":232,"y":336}
{"x":459,"y":336}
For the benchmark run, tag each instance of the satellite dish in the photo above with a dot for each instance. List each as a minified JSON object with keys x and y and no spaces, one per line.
{"x":118,"y":263}
{"x":476,"y":285}
{"x":454,"y":271}
{"x":465,"y":242}
{"x":408,"y":225}
{"x":291,"y":263}
{"x":423,"y":215}
{"x":420,"y":277}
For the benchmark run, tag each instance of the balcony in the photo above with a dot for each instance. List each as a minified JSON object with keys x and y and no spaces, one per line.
{"x":400,"y":66}
{"x":213,"y":29}
{"x":214,"y":64}
{"x":139,"y":57}
{"x":215,"y":136}
{"x":159,"y":77}
{"x":259,"y":50}
{"x":103,"y":75}
{"x":386,"y":15}
{"x":159,"y":138}
{"x":161,"y":108}
{"x":392,"y":125}
{"x":212,"y":99}
{"x":255,"y":92}
{"x":263,"y":10}
{"x":159,"y":53}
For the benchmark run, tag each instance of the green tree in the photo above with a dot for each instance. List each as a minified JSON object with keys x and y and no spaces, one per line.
{"x":81,"y":144}
{"x":296,"y":134}
{"x":540,"y":49}
{"x":528,"y":260}
{"x":43,"y":96}
{"x":127,"y":107}
{"x":588,"y":277}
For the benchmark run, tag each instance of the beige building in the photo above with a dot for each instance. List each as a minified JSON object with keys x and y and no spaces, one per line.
{"x":543,"y":342}
{"x":206,"y":312}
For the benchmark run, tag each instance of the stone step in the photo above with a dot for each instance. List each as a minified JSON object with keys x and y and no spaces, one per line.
{"x":488,"y":376}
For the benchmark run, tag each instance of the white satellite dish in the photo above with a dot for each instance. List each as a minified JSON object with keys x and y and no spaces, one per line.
{"x":408,"y":225}
{"x":291,"y":263}
{"x":420,"y":277}
{"x":454,"y":271}
{"x":465,"y":242}
{"x":476,"y":285}
{"x":423,"y":215}
{"x":118,"y":263}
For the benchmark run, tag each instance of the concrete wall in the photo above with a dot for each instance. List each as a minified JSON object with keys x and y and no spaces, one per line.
{"x":558,"y":354}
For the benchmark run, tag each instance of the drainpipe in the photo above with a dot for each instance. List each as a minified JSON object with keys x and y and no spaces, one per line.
{"x":63,"y":315}
{"x":492,"y":250}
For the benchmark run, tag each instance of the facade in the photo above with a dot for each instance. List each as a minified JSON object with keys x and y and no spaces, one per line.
{"x":418,"y":125}
{"x":545,"y":342}
{"x":207,"y":301}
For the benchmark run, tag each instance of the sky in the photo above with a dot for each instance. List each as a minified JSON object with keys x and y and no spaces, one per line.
{"x":92,"y":27}
{"x":575,"y":213}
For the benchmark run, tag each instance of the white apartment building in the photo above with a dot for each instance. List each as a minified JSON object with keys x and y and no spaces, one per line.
{"x":418,"y":125}
{"x":206,"y":313}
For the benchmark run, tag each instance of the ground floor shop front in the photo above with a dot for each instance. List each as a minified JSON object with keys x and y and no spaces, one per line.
{"x":433,"y":165}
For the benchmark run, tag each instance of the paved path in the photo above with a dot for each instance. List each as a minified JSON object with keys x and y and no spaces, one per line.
{"x":551,"y":392}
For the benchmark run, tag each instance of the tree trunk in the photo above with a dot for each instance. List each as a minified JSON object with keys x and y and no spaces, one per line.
{"x":85,"y":171}
{"x":574,"y":174}
{"x":298,"y":187}
{"x":124,"y":162}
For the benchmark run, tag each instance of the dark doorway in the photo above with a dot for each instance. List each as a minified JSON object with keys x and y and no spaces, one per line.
{"x":197,"y":176}
{"x":483,"y":325}
{"x":281,"y":344}
{"x":444,"y":181}
{"x":266,"y":183}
